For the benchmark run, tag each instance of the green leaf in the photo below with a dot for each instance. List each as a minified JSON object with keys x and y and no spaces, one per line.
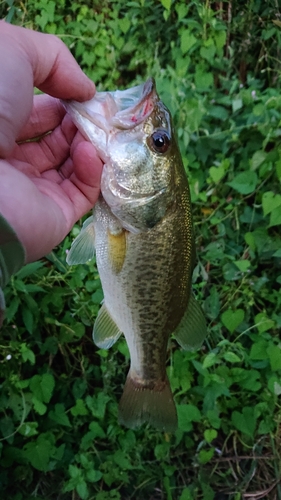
{"x":12,"y":308}
{"x":124,"y":24}
{"x":231,"y":357}
{"x":277,"y":388}
{"x":270,"y":201}
{"x":210,"y":360}
{"x":166,"y":4}
{"x":208,"y":52}
{"x":275,"y":217}
{"x":161,"y":451}
{"x":258,"y":109}
{"x":250,"y":240}
{"x":73,"y":333}
{"x":29,"y":269}
{"x":82,"y":490}
{"x":213,"y":417}
{"x":277,"y":253}
{"x":274,"y":385}
{"x":96,"y":429}
{"x":39,"y":453}
{"x":243,"y":265}
{"x":79,"y":408}
{"x":27,"y":319}
{"x":187,"y":41}
{"x":212,"y":303}
{"x":42,"y":386}
{"x":217,"y":173}
{"x":187,"y":413}
{"x":186,"y":494}
{"x":245,"y":182}
{"x":27,"y":354}
{"x":258,"y":159}
{"x":274,"y":354}
{"x":39,"y":407}
{"x":245,"y":421}
{"x":97,"y":404}
{"x":237,"y":104}
{"x":29,"y":429}
{"x":181,"y":10}
{"x":59,"y":416}
{"x":210,"y":435}
{"x":220,"y":38}
{"x":7,"y":428}
{"x":93,"y":475}
{"x":263,"y":323}
{"x":205,"y":456}
{"x":97,"y":296}
{"x":258,"y":350}
{"x":122,"y":460}
{"x":203,"y":79}
{"x":232,"y":319}
{"x":74,"y":472}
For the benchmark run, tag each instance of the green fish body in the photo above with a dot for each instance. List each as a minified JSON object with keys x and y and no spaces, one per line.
{"x":142,"y":233}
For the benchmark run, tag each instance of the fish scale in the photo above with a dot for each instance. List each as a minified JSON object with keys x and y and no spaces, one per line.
{"x":143,"y":237}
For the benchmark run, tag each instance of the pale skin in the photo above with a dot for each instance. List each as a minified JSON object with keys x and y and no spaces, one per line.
{"x":46,"y":185}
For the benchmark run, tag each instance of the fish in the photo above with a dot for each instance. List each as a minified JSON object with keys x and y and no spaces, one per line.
{"x":141,"y":232}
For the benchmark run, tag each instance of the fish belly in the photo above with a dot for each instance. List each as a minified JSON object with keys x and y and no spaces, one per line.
{"x":149,"y":295}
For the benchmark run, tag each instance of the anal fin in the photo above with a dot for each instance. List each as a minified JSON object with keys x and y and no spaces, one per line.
{"x":105,"y":332}
{"x":192,"y":329}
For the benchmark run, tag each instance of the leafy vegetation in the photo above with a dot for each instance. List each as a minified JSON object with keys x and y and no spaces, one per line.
{"x":217,"y":66}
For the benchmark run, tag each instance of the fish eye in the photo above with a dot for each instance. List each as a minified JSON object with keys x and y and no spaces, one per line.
{"x":160,"y":141}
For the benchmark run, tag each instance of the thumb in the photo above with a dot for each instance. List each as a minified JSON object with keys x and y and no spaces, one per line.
{"x":29,"y":59}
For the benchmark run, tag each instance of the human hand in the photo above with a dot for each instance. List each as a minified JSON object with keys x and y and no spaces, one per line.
{"x":46,"y":185}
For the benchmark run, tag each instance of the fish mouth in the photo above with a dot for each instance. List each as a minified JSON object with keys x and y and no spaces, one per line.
{"x":104,"y":115}
{"x":121,"y":109}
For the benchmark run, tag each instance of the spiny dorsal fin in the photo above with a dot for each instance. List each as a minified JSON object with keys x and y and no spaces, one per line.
{"x":192,"y":329}
{"x":116,"y":249}
{"x":83,"y":247}
{"x":105,"y":332}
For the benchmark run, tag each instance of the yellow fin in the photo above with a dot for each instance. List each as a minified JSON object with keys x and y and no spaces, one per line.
{"x":192,"y":329}
{"x":117,"y":249}
{"x":105,"y":332}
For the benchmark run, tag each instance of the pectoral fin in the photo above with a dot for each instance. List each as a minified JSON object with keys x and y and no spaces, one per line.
{"x":83,"y":247}
{"x":192,"y":329}
{"x":105,"y":332}
{"x":116,"y":249}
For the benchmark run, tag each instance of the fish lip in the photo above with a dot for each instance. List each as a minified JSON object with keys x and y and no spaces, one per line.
{"x":132,"y":116}
{"x":113,"y":104}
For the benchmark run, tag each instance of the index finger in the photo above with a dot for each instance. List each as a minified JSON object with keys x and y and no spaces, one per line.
{"x":29,"y":59}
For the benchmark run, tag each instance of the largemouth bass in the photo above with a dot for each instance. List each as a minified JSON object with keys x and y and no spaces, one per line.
{"x":142,"y":233}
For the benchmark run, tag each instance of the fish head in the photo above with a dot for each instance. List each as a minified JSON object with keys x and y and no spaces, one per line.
{"x":132,"y":132}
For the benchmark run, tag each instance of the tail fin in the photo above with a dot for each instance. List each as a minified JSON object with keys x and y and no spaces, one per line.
{"x":155,"y":405}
